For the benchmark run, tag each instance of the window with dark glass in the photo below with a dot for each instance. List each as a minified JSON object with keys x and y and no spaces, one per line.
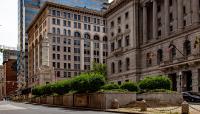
{"x":120,"y":66}
{"x":112,"y":68}
{"x":187,"y":47}
{"x":159,"y":56}
{"x":127,"y":64}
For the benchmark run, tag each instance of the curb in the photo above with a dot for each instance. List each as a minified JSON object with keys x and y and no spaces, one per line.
{"x":80,"y":108}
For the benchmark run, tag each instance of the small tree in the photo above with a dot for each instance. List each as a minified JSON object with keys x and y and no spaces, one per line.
{"x":110,"y":86}
{"x":99,"y":68}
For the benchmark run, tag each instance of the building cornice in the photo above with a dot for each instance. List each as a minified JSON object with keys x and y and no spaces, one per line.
{"x":64,"y":7}
{"x":115,"y":6}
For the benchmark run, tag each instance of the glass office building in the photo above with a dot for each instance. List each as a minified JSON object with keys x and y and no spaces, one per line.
{"x":27,"y":10}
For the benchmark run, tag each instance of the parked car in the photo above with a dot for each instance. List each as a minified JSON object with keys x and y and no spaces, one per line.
{"x":191,"y":96}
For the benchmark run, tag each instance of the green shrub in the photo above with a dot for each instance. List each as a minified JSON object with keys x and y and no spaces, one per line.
{"x":88,"y":82}
{"x":38,"y":91}
{"x":130,"y":86}
{"x":155,"y":82}
{"x":110,"y":86}
{"x":62,"y":87}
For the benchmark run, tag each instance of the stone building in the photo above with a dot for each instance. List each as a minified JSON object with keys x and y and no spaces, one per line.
{"x":155,"y":37}
{"x":9,"y":80}
{"x":65,"y":40}
{"x":1,"y":81}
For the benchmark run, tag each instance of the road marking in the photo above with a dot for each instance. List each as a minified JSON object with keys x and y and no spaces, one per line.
{"x":10,"y":107}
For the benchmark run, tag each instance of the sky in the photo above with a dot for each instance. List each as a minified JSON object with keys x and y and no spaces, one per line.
{"x":9,"y":23}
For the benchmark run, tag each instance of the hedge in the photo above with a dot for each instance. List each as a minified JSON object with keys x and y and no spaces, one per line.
{"x":130,"y":86}
{"x":110,"y":87}
{"x":88,"y":82}
{"x":155,"y":82}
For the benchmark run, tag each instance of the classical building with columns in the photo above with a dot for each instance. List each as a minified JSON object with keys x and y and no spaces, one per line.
{"x":155,"y":37}
{"x":65,"y":41}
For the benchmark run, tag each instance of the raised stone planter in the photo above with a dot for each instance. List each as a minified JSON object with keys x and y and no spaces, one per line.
{"x":43,"y":100}
{"x":58,"y":100}
{"x":162,"y":98}
{"x":37,"y":100}
{"x":102,"y":100}
{"x":68,"y":100}
{"x":50,"y":100}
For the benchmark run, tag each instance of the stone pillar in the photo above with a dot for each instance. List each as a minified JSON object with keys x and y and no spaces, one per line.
{"x":166,"y":17}
{"x":195,"y":80}
{"x":38,"y":55}
{"x":34,"y":59}
{"x":82,"y":53}
{"x":195,"y":11}
{"x":180,"y":14}
{"x":91,"y":53}
{"x":101,"y":52}
{"x":175,"y":14}
{"x":45,"y":52}
{"x":144,"y":24}
{"x":155,"y":19}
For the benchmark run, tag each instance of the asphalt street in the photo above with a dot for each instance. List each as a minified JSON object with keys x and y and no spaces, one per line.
{"x":7,"y":107}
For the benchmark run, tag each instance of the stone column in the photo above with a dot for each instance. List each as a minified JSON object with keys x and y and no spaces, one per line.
{"x":34,"y":59}
{"x":91,"y":53}
{"x":82,"y":53}
{"x":45,"y":52}
{"x":101,"y":52}
{"x":166,"y":17}
{"x":180,"y":14}
{"x":155,"y":19}
{"x":144,"y":24}
{"x":175,"y":15}
{"x":38,"y":55}
{"x":195,"y":11}
{"x":195,"y":80}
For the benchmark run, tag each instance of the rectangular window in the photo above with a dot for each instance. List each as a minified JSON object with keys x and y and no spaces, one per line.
{"x":65,"y":57}
{"x":69,"y":57}
{"x":64,"y":23}
{"x":85,"y":26}
{"x":79,"y":25}
{"x":69,"y":49}
{"x":75,"y":16}
{"x":58,"y":48}
{"x":58,"y":56}
{"x":58,"y":21}
{"x":79,"y":17}
{"x":54,"y":21}
{"x":69,"y":15}
{"x":89,"y":27}
{"x":69,"y":23}
{"x":75,"y":24}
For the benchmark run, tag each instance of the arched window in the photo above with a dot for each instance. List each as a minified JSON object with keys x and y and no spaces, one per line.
{"x":65,"y":32}
{"x":54,"y":30}
{"x":172,"y":51}
{"x":159,"y":56}
{"x":96,"y":37}
{"x":58,"y":30}
{"x":105,"y":38}
{"x":113,"y":67}
{"x":86,"y":36}
{"x":127,"y":64}
{"x":77,"y":34}
{"x":149,"y":59}
{"x":120,"y":66}
{"x":187,"y":47}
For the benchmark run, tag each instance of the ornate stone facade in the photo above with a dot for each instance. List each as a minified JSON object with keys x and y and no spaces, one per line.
{"x":164,"y":39}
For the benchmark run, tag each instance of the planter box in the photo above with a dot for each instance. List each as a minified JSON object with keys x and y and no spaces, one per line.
{"x":43,"y":100}
{"x":102,"y":100}
{"x":68,"y":100}
{"x":162,"y":98}
{"x":49,"y":100}
{"x":38,"y":100}
{"x":58,"y":100}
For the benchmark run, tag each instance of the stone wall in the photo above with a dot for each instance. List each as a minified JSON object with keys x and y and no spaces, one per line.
{"x":102,"y":100}
{"x":162,"y":98}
